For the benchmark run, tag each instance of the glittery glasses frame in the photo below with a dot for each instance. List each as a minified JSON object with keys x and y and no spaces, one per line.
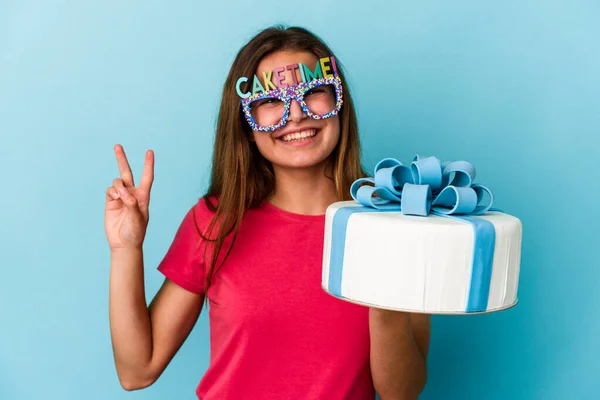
{"x":296,"y":92}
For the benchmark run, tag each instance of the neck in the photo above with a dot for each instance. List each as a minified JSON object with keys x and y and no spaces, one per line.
{"x":305,"y":191}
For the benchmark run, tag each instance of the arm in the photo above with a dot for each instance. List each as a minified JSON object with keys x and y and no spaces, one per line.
{"x":145,"y":339}
{"x":399,"y":347}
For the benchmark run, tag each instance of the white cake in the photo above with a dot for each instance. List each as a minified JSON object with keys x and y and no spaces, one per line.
{"x":425,"y":264}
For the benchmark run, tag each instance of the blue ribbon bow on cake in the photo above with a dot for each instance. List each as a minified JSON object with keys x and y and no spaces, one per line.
{"x":426,"y":186}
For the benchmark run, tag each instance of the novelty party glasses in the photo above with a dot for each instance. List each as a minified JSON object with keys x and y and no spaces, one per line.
{"x":319,"y":98}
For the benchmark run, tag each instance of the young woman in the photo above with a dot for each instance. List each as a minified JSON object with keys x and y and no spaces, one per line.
{"x":286,"y":147}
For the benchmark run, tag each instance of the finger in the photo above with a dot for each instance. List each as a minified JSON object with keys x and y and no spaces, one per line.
{"x":124,"y":168}
{"x":128,"y":199}
{"x":113,"y":199}
{"x":118,"y":183}
{"x":148,"y":174}
{"x":112,"y":193}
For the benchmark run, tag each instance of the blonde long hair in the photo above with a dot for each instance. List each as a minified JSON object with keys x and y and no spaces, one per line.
{"x":241,"y":177}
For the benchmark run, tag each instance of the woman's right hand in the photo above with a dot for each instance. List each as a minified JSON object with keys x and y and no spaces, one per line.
{"x":126,"y":210}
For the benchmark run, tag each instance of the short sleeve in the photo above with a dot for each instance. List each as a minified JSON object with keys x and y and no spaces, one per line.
{"x":184,"y":261}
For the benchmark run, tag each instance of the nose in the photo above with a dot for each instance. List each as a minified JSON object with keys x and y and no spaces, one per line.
{"x":297,"y":114}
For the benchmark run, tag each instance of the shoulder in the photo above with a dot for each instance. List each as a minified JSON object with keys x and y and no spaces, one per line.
{"x":202,"y":212}
{"x":205,"y":207}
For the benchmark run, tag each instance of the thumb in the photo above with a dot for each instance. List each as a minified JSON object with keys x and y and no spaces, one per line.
{"x":128,"y":199}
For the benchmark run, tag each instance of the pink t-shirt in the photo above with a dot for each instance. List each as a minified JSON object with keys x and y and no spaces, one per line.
{"x":274,"y":332}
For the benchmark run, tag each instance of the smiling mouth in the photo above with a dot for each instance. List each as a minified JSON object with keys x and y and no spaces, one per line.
{"x":299,"y":136}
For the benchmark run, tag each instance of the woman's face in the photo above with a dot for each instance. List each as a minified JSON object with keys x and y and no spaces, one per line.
{"x":303,"y":142}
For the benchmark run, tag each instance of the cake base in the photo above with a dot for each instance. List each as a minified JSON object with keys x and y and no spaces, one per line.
{"x":361,"y":303}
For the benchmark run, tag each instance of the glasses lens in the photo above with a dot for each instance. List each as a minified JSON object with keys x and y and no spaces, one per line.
{"x":267,"y":111}
{"x":321,"y":99}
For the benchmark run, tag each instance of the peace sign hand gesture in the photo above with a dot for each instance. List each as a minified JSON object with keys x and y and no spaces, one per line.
{"x":126,"y":210}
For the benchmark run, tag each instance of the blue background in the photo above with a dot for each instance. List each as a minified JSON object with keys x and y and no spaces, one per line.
{"x":512,"y":86}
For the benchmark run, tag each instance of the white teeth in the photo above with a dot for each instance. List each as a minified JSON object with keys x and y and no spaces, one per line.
{"x":299,"y":135}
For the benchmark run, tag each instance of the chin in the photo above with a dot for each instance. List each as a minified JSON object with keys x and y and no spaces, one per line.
{"x":301,"y":163}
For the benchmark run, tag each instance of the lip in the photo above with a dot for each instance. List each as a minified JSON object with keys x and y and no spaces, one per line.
{"x":300,"y":143}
